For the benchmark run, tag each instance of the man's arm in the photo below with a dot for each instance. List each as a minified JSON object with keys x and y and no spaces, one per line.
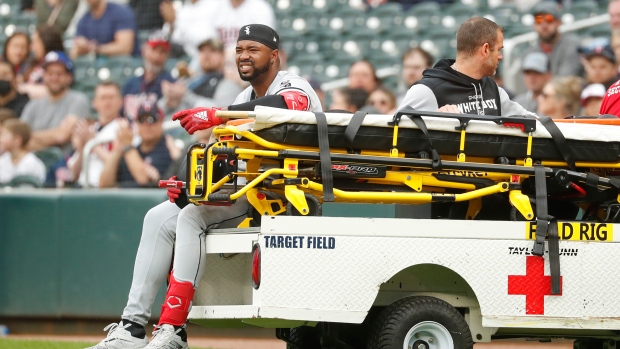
{"x":122,"y":44}
{"x":55,"y":136}
{"x":110,"y":169}
{"x":420,"y":97}
{"x":509,"y":107}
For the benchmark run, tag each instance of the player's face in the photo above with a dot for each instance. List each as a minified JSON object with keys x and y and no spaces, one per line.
{"x":495,"y":55}
{"x":253,"y":59}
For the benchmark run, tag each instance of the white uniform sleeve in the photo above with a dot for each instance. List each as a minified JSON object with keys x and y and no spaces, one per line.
{"x":420,"y":97}
{"x":510,"y":108}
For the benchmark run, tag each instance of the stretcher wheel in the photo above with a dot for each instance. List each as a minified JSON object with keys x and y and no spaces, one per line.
{"x":420,"y":322}
{"x":313,"y":205}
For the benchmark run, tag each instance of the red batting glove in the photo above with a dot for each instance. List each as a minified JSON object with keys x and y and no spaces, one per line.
{"x":197,"y":119}
{"x":173,"y":193}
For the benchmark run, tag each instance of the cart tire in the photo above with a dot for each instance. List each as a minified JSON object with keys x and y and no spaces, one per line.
{"x":314,"y":205}
{"x":303,"y":337}
{"x":420,"y":322}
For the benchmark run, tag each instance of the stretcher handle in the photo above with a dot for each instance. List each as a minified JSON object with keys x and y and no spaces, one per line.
{"x":166,"y":183}
{"x":525,"y":122}
{"x":234,"y":114}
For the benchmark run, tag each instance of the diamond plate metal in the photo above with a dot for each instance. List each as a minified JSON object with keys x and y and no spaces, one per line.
{"x":346,"y":279}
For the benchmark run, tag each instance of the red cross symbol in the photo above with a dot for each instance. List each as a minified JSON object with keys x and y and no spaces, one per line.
{"x":535,"y":285}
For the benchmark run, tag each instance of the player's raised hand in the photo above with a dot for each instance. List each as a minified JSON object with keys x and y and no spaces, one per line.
{"x":198,"y":119}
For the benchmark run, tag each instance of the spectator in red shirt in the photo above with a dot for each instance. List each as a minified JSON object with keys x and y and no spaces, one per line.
{"x":610,"y":103}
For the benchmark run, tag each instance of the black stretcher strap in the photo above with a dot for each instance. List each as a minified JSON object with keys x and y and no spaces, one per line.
{"x":353,"y":127}
{"x":325,"y":157}
{"x":417,"y":120}
{"x":559,"y":140}
{"x":546,"y":225}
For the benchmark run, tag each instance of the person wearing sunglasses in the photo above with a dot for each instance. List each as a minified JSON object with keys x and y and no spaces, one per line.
{"x":383,"y":100}
{"x":143,"y":164}
{"x":561,"y":48}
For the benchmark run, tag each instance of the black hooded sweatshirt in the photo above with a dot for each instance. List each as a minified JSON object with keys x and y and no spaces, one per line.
{"x":471,"y":96}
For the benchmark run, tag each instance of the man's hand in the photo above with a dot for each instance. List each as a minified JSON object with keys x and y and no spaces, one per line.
{"x":197,"y":119}
{"x":167,"y":11}
{"x":173,"y":193}
{"x":125,"y":134}
{"x":449,"y":108}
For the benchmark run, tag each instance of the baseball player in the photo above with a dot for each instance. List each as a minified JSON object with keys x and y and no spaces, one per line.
{"x":258,"y":63}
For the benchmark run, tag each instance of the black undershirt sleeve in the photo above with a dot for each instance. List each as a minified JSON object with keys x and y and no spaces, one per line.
{"x":275,"y":101}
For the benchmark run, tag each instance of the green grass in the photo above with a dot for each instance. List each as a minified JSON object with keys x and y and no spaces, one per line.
{"x":32,"y":344}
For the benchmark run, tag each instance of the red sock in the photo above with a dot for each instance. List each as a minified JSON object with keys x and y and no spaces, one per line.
{"x":175,"y":309}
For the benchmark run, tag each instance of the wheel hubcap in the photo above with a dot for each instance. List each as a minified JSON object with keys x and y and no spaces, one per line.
{"x":428,"y":335}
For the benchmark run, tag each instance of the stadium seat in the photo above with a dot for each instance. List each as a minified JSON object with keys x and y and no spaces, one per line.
{"x":427,"y":8}
{"x":24,"y":181}
{"x":459,"y":9}
{"x":49,"y":156}
{"x":584,"y":9}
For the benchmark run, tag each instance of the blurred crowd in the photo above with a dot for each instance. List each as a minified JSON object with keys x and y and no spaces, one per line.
{"x":47,"y":127}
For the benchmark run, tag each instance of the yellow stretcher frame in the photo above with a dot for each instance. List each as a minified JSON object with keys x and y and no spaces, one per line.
{"x":255,"y":150}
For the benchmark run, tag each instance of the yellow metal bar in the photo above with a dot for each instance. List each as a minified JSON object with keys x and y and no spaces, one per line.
{"x":394,"y":150}
{"x":217,"y":185}
{"x":410,"y":198}
{"x":461,"y":156}
{"x":257,"y":180}
{"x":577,"y":164}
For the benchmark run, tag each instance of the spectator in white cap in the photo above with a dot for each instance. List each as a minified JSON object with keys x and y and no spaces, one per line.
{"x":536,"y":74}
{"x":591,"y":99}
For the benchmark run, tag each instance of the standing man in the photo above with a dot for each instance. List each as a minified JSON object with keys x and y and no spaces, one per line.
{"x":561,"y":48}
{"x":257,"y":63}
{"x":465,"y":85}
{"x":147,"y":87}
{"x":535,"y":74}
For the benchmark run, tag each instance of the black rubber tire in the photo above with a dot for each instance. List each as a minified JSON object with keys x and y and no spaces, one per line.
{"x":304,"y":337}
{"x":391,"y":326}
{"x":314,"y":205}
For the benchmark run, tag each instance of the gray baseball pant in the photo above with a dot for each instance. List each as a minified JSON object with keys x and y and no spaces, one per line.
{"x":152,"y":260}
{"x":193,"y":224}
